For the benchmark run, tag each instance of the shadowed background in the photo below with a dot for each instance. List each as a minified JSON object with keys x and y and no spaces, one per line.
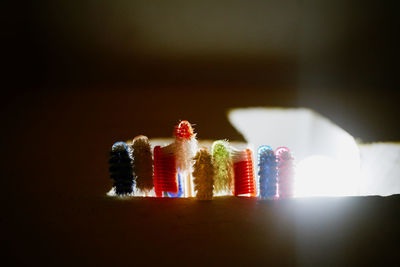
{"x":338,"y":57}
{"x":80,"y":75}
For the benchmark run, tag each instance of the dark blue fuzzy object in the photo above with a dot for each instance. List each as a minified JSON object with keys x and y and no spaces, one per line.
{"x":121,"y":170}
{"x":267,"y":173}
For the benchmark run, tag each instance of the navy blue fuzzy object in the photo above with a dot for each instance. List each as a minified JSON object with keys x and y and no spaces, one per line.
{"x":267,"y":173}
{"x":121,"y":170}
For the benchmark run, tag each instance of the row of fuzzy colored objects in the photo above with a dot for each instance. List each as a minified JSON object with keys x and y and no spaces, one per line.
{"x":181,"y":169}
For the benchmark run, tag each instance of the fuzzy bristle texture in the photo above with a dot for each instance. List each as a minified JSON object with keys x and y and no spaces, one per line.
{"x":184,"y":130}
{"x":121,"y":170}
{"x":143,"y":163}
{"x":285,"y":172}
{"x":223,"y":166}
{"x":243,"y":168}
{"x":203,"y":174}
{"x":267,"y":172}
{"x":185,"y":146}
{"x":165,"y":171}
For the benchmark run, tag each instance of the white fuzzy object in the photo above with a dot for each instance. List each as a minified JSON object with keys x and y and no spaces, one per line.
{"x":238,"y":155}
{"x":185,"y":150}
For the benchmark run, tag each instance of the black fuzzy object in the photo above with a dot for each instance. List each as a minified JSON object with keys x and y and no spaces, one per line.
{"x":121,"y":170}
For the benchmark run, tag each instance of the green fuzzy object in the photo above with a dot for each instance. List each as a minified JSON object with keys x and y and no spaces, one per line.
{"x":223,"y":166}
{"x":203,"y":174}
{"x":143,"y":163}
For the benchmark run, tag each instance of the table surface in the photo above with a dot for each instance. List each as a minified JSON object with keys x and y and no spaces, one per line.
{"x":97,"y":230}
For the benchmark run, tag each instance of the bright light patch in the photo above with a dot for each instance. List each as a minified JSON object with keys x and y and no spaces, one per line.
{"x":327,"y":157}
{"x":323,"y":176}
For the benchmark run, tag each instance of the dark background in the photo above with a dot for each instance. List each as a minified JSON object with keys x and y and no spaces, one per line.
{"x":337,"y":57}
{"x":79,"y":75}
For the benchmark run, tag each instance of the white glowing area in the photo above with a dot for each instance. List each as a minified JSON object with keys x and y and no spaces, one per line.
{"x":380,"y":169}
{"x":328,"y":158}
{"x":322,"y":176}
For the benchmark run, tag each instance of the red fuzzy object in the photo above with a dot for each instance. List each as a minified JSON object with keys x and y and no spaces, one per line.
{"x":245,"y":182}
{"x":184,"y":130}
{"x":165,"y":172}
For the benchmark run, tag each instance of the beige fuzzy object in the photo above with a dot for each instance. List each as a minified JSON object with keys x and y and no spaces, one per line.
{"x":203,"y":175}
